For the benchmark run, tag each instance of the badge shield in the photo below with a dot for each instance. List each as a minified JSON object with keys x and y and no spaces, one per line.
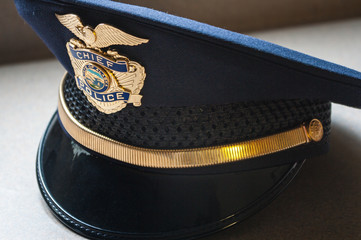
{"x":109,"y":80}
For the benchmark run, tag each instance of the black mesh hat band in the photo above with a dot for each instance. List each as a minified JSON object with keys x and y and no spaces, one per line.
{"x":82,"y":123}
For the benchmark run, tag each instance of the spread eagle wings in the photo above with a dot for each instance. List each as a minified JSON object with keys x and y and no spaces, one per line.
{"x":73,"y":23}
{"x":105,"y":35}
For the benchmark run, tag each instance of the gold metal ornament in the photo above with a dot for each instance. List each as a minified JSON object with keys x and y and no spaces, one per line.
{"x":315,"y":130}
{"x":108,"y":79}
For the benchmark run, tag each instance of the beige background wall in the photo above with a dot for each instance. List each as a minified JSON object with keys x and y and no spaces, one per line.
{"x":252,"y":15}
{"x":19,"y":43}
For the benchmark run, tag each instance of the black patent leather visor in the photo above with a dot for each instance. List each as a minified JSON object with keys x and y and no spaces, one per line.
{"x":101,"y":198}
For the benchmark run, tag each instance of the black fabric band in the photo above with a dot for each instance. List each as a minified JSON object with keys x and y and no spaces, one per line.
{"x":196,"y":126}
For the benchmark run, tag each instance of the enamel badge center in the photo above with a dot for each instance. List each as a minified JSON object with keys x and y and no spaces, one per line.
{"x":109,"y":80}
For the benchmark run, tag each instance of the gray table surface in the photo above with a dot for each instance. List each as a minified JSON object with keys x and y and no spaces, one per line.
{"x":323,"y":202}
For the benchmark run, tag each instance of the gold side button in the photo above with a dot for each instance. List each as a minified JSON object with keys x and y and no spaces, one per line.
{"x":315,"y":130}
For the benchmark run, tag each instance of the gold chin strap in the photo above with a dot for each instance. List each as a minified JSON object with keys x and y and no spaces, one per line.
{"x":186,"y":158}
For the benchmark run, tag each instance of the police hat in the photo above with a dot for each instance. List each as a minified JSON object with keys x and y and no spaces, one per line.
{"x":168,"y":128}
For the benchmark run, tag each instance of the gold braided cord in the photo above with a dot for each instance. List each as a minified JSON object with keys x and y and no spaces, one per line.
{"x":178,"y":158}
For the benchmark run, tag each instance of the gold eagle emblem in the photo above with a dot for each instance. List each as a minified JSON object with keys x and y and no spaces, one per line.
{"x":108,"y":80}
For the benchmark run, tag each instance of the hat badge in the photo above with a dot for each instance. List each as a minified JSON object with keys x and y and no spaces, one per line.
{"x":109,"y":80}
